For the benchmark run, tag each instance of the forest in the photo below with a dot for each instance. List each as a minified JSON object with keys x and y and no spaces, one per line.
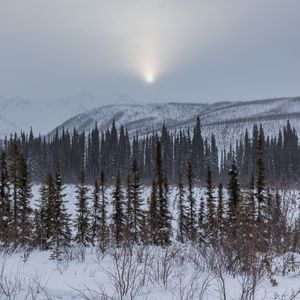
{"x":114,"y":151}
{"x":124,"y":190}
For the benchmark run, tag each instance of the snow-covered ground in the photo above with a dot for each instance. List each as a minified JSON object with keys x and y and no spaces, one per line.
{"x":148,"y":272}
{"x":175,"y":273}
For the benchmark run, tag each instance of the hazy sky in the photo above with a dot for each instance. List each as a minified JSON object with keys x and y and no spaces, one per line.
{"x":193,"y":50}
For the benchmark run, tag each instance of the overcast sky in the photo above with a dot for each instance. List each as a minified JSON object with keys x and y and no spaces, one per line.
{"x":194,"y":50}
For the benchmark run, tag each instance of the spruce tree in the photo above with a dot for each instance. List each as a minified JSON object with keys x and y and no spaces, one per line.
{"x":191,"y":211}
{"x":260,"y":183}
{"x":201,"y":222}
{"x":118,"y":218}
{"x":164,"y":214}
{"x":104,"y":232}
{"x":153,"y":215}
{"x":13,"y":169}
{"x":48,"y":195}
{"x":137,"y":210}
{"x":181,"y":207}
{"x":210,"y":211}
{"x":129,"y":210}
{"x":5,"y":205}
{"x":197,"y":155}
{"x":233,"y":198}
{"x":40,"y":219}
{"x":95,"y":220}
{"x":82,"y":223}
{"x":220,"y":210}
{"x":24,"y":216}
{"x":61,"y":237}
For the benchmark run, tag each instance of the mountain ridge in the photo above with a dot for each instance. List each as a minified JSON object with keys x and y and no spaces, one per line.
{"x":227,"y":120}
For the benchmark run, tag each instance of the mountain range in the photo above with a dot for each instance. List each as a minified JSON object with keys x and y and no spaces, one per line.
{"x":227,"y":120}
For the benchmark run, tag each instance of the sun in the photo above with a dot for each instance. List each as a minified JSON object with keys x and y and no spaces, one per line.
{"x":149,"y":78}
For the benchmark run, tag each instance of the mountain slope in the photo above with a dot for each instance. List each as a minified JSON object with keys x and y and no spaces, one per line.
{"x":227,"y":120}
{"x":45,"y":114}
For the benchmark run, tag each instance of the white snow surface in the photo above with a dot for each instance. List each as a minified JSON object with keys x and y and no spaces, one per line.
{"x":186,"y":275}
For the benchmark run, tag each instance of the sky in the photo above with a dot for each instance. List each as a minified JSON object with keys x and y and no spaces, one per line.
{"x":168,"y":50}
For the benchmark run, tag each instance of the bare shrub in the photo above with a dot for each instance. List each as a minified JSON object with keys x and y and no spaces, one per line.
{"x":163,"y":265}
{"x":10,"y":283}
{"x":189,"y":284}
{"x":126,"y":273}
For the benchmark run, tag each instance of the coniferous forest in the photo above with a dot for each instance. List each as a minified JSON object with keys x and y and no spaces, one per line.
{"x":115,"y":151}
{"x":125,"y":189}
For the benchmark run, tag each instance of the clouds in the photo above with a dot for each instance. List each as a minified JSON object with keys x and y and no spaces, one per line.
{"x":196,"y":49}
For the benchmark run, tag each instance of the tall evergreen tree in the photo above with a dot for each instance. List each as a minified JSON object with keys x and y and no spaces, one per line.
{"x":40,"y":219}
{"x":82,"y":222}
{"x":118,"y":218}
{"x":260,"y":183}
{"x":197,"y":155}
{"x":164,"y":214}
{"x":129,"y":210}
{"x":104,"y":232}
{"x":181,"y":207}
{"x":153,"y":215}
{"x":96,"y":217}
{"x":210,"y":211}
{"x":191,"y":212}
{"x":233,"y":198}
{"x":220,"y":210}
{"x":24,"y":216}
{"x":5,"y":205}
{"x":137,"y":210}
{"x":13,"y":169}
{"x":61,"y":237}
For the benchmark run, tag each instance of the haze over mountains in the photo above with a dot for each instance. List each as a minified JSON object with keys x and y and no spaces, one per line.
{"x":226,"y":120}
{"x":18,"y":113}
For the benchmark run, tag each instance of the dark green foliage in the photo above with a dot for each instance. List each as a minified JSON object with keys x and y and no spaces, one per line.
{"x":220,"y":210}
{"x":103,"y":223}
{"x":61,"y":232}
{"x":137,"y":210}
{"x":24,"y":215}
{"x":201,"y":222}
{"x":118,"y":218}
{"x":129,"y":210}
{"x":41,"y":217}
{"x":233,"y":198}
{"x":181,"y":208}
{"x":197,"y":154}
{"x":5,"y":205}
{"x":260,"y":183}
{"x":113,"y":150}
{"x":95,"y":220}
{"x":210,"y":220}
{"x":82,"y":222}
{"x":191,"y":206}
{"x":164,"y":222}
{"x":153,"y":215}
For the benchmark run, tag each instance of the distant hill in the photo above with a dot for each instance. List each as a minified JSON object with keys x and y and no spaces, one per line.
{"x":227,"y":120}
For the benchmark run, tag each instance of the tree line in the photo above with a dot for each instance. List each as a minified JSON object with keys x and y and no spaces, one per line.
{"x":114,"y":151}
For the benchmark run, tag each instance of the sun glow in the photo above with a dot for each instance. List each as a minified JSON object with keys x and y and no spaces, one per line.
{"x":149,"y":78}
{"x":149,"y":68}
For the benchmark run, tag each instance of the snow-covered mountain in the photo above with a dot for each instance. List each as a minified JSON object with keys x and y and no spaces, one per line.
{"x":227,"y":120}
{"x":43,"y":115}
